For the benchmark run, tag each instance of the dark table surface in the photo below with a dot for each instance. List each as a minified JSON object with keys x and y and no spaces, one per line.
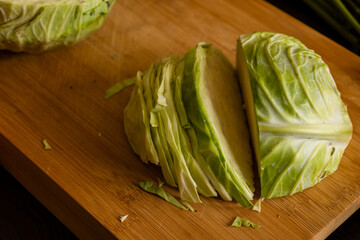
{"x":23,"y":217}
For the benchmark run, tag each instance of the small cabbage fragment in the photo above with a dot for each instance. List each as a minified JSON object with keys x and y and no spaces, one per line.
{"x":118,"y":87}
{"x":46,"y":145}
{"x":187,"y":205}
{"x":148,"y":186}
{"x":299,"y":125}
{"x":238,"y":222}
{"x":122,"y":218}
{"x":38,"y":25}
{"x":257,"y":205}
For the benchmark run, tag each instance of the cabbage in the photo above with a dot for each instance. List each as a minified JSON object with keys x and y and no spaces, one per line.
{"x":173,"y":119}
{"x":299,"y":125}
{"x":187,"y":115}
{"x":39,"y":25}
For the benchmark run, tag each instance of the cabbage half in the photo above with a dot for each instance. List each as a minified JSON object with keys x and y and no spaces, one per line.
{"x":176,"y":118}
{"x":299,"y":125}
{"x":39,"y":25}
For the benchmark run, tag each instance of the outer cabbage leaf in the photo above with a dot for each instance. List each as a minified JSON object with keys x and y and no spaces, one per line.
{"x":300,"y":126}
{"x":39,"y":25}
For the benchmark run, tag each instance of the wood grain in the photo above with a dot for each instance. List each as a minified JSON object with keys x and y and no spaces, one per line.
{"x":87,"y":179}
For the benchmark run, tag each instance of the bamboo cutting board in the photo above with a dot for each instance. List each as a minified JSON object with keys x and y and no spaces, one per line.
{"x":87,"y":179}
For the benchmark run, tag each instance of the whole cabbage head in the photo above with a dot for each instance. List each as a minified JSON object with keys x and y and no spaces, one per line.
{"x":39,"y":25}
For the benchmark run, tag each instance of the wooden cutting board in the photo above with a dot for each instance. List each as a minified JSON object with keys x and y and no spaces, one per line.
{"x":87,"y":179}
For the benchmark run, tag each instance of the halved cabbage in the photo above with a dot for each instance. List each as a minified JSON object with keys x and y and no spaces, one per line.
{"x":187,"y":115}
{"x":39,"y":25}
{"x":299,"y":125}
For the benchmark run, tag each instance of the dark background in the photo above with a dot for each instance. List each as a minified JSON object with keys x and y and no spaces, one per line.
{"x":299,"y":10}
{"x":23,"y":217}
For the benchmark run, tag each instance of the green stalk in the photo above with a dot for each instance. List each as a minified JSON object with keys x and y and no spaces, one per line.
{"x":354,"y":8}
{"x":330,"y":9}
{"x":347,"y":15}
{"x":339,"y":28}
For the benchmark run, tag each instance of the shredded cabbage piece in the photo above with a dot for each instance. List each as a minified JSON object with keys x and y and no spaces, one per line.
{"x":118,"y":87}
{"x":238,"y":222}
{"x":46,"y":145}
{"x":122,"y":218}
{"x":186,"y":204}
{"x":148,"y":186}
{"x":257,"y":205}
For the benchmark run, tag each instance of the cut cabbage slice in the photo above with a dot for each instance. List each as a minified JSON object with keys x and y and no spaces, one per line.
{"x":212,"y":98}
